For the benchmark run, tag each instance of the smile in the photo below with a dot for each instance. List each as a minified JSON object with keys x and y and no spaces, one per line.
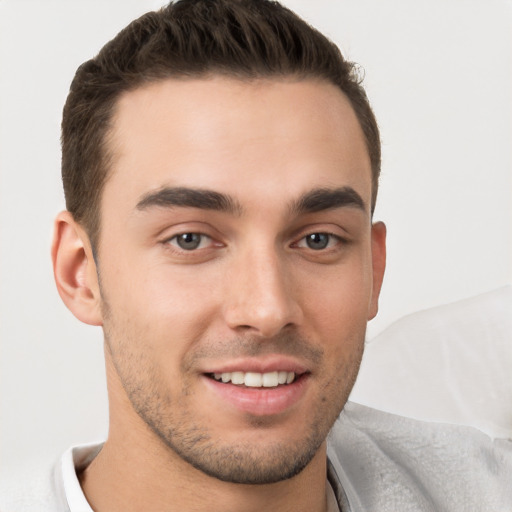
{"x":255,"y":379}
{"x":262,"y":393}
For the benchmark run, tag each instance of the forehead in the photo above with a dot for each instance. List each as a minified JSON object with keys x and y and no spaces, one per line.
{"x":244,"y":138}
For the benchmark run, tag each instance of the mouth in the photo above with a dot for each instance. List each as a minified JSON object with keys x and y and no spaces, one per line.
{"x":264,"y":393}
{"x":255,"y":379}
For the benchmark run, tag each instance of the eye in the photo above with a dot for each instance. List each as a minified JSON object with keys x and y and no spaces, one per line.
{"x":190,"y":241}
{"x":318,"y":241}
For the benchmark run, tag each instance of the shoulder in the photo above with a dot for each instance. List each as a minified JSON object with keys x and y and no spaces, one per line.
{"x":33,"y":489}
{"x":390,"y":462}
{"x":47,"y":486}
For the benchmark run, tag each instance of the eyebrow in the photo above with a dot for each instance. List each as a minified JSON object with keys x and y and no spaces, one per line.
{"x":315,"y":200}
{"x":320,"y":199}
{"x":169,"y":197}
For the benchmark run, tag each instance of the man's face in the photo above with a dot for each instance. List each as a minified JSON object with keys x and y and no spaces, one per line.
{"x":235,"y":263}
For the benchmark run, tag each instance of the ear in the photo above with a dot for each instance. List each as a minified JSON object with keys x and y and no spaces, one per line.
{"x":74,"y":270}
{"x":378,"y":264}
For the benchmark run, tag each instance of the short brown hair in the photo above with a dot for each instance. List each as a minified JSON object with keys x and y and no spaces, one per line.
{"x":245,"y":39}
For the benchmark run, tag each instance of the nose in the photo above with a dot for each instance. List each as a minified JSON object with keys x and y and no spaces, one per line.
{"x":261,"y":296}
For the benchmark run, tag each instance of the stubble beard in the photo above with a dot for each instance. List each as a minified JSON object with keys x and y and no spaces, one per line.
{"x":241,"y":463}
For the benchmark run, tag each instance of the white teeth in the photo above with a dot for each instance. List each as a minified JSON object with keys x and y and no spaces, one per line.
{"x":253,"y":380}
{"x":256,"y":380}
{"x":237,"y":377}
{"x":270,"y":380}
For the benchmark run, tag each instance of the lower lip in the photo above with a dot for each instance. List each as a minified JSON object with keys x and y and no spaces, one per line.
{"x":260,"y":401}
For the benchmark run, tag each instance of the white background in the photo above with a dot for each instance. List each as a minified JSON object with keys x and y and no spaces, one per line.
{"x":439,"y":75}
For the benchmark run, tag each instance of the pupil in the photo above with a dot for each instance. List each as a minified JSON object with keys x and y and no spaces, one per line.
{"x":317,"y":241}
{"x":189,"y":241}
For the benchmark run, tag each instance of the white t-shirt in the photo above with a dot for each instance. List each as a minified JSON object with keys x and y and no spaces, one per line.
{"x":74,"y":461}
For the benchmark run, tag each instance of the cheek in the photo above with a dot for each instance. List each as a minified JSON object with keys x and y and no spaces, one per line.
{"x":161,"y":293}
{"x":158,"y":316}
{"x":337,"y":303}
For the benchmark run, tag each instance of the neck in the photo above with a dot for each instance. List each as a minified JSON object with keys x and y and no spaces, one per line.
{"x":138,"y":473}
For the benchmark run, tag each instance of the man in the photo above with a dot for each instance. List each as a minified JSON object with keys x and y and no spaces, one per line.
{"x":220,"y":166}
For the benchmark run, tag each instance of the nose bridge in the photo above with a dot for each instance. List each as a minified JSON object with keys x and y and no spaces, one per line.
{"x":260,"y":295}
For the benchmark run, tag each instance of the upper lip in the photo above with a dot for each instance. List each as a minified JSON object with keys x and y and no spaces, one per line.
{"x":265,"y":364}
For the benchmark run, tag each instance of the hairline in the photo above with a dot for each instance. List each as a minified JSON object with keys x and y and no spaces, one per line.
{"x":108,"y":159}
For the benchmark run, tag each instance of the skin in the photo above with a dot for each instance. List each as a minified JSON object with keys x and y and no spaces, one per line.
{"x":253,"y":294}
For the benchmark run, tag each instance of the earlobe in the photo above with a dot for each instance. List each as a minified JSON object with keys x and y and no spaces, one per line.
{"x":75,"y":270}
{"x":378,"y":265}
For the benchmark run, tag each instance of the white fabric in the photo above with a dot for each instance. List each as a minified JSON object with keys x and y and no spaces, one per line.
{"x":450,"y":364}
{"x":389,"y":463}
{"x":377,"y":461}
{"x":75,"y":460}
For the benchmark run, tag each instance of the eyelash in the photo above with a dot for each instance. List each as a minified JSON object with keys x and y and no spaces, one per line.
{"x":332,"y":241}
{"x":176,"y":238}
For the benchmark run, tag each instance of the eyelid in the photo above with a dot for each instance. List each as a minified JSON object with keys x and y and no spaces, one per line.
{"x":328,"y":228}
{"x":204,"y":238}
{"x":333,"y":236}
{"x":170,"y":231}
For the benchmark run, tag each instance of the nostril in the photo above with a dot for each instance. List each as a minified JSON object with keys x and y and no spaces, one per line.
{"x":244,"y":328}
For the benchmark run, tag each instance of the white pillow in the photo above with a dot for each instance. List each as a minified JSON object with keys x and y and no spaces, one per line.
{"x":451,"y":364}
